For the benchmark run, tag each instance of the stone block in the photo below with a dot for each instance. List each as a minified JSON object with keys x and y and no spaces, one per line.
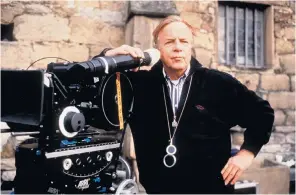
{"x":15,"y":55}
{"x":282,"y":14}
{"x":275,"y":82}
{"x":285,"y":129}
{"x":287,"y":62}
{"x":10,"y":10}
{"x":290,"y":118}
{"x":282,"y":100}
{"x":203,"y":6}
{"x":204,"y":40}
{"x":186,"y":6}
{"x":95,"y":31}
{"x":203,"y":56}
{"x":114,"y":5}
{"x":289,"y":33}
{"x":37,"y":9}
{"x":64,"y":8}
{"x":293,"y":83}
{"x":41,"y":50}
{"x":249,"y":80}
{"x":153,"y":8}
{"x":279,"y":118}
{"x":41,"y":28}
{"x":73,"y":52}
{"x":290,"y":138}
{"x":192,"y":18}
{"x":85,"y":30}
{"x":271,"y":148}
{"x":284,"y":46}
{"x":277,"y":138}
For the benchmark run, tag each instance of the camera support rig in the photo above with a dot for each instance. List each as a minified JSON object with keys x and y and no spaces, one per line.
{"x":80,"y":119}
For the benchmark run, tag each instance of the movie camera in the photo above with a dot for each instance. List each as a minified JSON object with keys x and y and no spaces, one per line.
{"x":77,"y":114}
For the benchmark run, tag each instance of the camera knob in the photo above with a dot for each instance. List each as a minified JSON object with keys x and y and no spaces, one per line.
{"x":99,"y":157}
{"x":78,"y":161}
{"x":67,"y":164}
{"x":88,"y":159}
{"x":109,"y":156}
{"x":74,"y":122}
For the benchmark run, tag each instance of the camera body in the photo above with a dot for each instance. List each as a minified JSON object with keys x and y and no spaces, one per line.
{"x":75,"y":118}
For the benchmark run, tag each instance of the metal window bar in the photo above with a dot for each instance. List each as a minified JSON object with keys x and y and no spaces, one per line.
{"x":262,"y":42}
{"x":246,"y":37}
{"x":236,"y":35}
{"x":255,"y":38}
{"x":227,"y":34}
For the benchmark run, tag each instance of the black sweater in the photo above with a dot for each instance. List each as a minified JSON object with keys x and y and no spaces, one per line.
{"x":216,"y":102}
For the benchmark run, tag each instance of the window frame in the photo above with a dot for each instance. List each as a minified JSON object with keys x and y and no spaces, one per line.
{"x":265,"y":9}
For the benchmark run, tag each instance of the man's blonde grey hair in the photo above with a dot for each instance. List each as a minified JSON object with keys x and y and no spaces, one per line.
{"x":168,"y":20}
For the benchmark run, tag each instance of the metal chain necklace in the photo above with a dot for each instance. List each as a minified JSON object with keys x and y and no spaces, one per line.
{"x":171,"y":148}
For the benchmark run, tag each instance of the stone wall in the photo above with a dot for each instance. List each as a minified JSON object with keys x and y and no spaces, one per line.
{"x":73,"y":30}
{"x":77,"y":30}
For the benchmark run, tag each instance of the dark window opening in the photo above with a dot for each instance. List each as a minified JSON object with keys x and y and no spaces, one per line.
{"x":7,"y":32}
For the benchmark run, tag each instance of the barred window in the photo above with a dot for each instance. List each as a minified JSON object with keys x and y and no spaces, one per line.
{"x":241,"y":35}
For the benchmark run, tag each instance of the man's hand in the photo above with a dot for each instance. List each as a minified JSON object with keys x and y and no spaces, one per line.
{"x":236,"y":165}
{"x":126,"y":50}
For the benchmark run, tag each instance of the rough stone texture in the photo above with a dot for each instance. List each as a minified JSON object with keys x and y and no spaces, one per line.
{"x":203,"y":6}
{"x":84,"y":30}
{"x":291,"y":138}
{"x":282,"y":14}
{"x":283,"y":100}
{"x":192,"y":18}
{"x":10,"y":11}
{"x":280,"y":117}
{"x":61,"y":8}
{"x":250,"y":80}
{"x":204,"y":40}
{"x":275,"y":82}
{"x":153,"y":8}
{"x":114,"y":5}
{"x":37,"y":9}
{"x":290,"y":33}
{"x":279,"y":30}
{"x":15,"y":55}
{"x":262,"y":155}
{"x":44,"y":50}
{"x":284,"y":47}
{"x":97,"y":49}
{"x":203,"y":56}
{"x":293,"y":83}
{"x":73,"y":52}
{"x":273,"y":148}
{"x":277,"y":138}
{"x":285,"y":129}
{"x":290,"y":118}
{"x":114,"y":18}
{"x":286,"y":148}
{"x":287,"y":62}
{"x":41,"y":28}
{"x":186,"y":6}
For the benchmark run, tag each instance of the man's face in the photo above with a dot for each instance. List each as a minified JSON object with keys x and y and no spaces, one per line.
{"x":175,"y":43}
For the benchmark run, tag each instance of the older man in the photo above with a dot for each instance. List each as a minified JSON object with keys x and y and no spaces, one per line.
{"x":182,"y":115}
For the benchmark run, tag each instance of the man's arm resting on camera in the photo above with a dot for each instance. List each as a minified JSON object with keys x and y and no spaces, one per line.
{"x":257,"y":116}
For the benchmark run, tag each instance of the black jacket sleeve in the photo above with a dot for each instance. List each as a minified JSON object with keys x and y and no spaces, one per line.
{"x":253,"y":113}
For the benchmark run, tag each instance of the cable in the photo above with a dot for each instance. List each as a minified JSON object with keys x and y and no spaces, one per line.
{"x":46,"y":58}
